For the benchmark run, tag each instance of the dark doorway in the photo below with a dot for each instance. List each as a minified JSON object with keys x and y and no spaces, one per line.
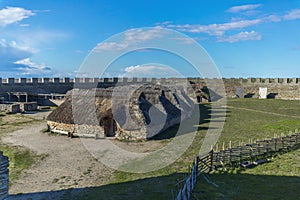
{"x":109,"y":125}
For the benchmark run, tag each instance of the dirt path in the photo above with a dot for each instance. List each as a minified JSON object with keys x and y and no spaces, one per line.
{"x":67,"y":165}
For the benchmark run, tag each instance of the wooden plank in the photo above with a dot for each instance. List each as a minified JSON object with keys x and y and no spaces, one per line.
{"x":59,"y":131}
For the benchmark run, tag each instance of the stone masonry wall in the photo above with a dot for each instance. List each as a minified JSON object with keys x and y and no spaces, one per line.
{"x":10,"y":108}
{"x":282,"y":88}
{"x":76,"y":129}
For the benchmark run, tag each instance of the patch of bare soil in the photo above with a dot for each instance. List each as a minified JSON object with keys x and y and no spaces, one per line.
{"x":140,"y":146}
{"x":17,"y":118}
{"x":68,"y":164}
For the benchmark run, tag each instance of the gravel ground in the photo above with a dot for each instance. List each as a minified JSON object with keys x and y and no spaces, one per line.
{"x":67,"y":164}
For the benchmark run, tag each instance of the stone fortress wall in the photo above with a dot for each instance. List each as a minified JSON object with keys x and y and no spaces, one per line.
{"x":279,"y":88}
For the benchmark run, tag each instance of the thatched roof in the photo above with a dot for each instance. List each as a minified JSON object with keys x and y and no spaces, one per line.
{"x":83,"y":106}
{"x":132,"y":107}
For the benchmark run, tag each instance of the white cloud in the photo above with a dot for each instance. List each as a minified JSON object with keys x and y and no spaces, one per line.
{"x":247,"y":7}
{"x":111,"y":46}
{"x":272,"y":18}
{"x":26,"y":66}
{"x":216,"y":29}
{"x":163,"y":23}
{"x":293,"y":14}
{"x":129,"y":38}
{"x":11,"y":52}
{"x":140,"y":35}
{"x":242,"y":36}
{"x":29,"y":63}
{"x":15,"y":58}
{"x":184,"y":40}
{"x":150,"y":70}
{"x":219,"y":30}
{"x":24,"y":25}
{"x":15,"y":47}
{"x":10,"y":15}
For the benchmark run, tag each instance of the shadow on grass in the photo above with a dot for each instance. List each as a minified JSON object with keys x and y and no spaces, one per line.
{"x":36,"y":111}
{"x":205,"y":117}
{"x":248,"y":186}
{"x":230,"y":186}
{"x":148,"y":188}
{"x":171,"y":132}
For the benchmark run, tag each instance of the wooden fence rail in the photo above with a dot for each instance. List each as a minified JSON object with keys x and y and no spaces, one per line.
{"x":242,"y":155}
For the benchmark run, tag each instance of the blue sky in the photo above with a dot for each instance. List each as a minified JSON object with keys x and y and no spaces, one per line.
{"x":244,"y":38}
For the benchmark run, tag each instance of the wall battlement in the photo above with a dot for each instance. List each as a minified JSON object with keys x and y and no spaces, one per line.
{"x":281,"y":88}
{"x":66,"y":80}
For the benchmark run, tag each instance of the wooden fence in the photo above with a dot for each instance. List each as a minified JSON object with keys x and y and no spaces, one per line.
{"x":242,"y":155}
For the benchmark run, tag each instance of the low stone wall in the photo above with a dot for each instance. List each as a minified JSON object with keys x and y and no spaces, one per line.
{"x":29,"y":106}
{"x":75,"y":129}
{"x":10,"y":107}
{"x":4,"y":177}
{"x":90,"y":130}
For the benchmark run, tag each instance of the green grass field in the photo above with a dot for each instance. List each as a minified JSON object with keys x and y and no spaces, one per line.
{"x":279,"y":179}
{"x":245,"y":119}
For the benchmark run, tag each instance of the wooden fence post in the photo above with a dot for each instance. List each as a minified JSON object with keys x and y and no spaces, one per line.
{"x":211,"y":160}
{"x":197,"y":163}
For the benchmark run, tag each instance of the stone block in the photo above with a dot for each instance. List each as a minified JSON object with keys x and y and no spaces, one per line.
{"x":239,"y":92}
{"x":34,"y":80}
{"x":86,"y":80}
{"x":96,"y":80}
{"x":263,"y":92}
{"x":115,"y":80}
{"x":22,"y":81}
{"x":11,"y":81}
{"x":66,"y":80}
{"x":77,"y":80}
{"x":56,"y":80}
{"x":46,"y":80}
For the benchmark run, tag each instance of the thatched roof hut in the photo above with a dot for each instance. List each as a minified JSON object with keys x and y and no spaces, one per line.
{"x":139,"y":112}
